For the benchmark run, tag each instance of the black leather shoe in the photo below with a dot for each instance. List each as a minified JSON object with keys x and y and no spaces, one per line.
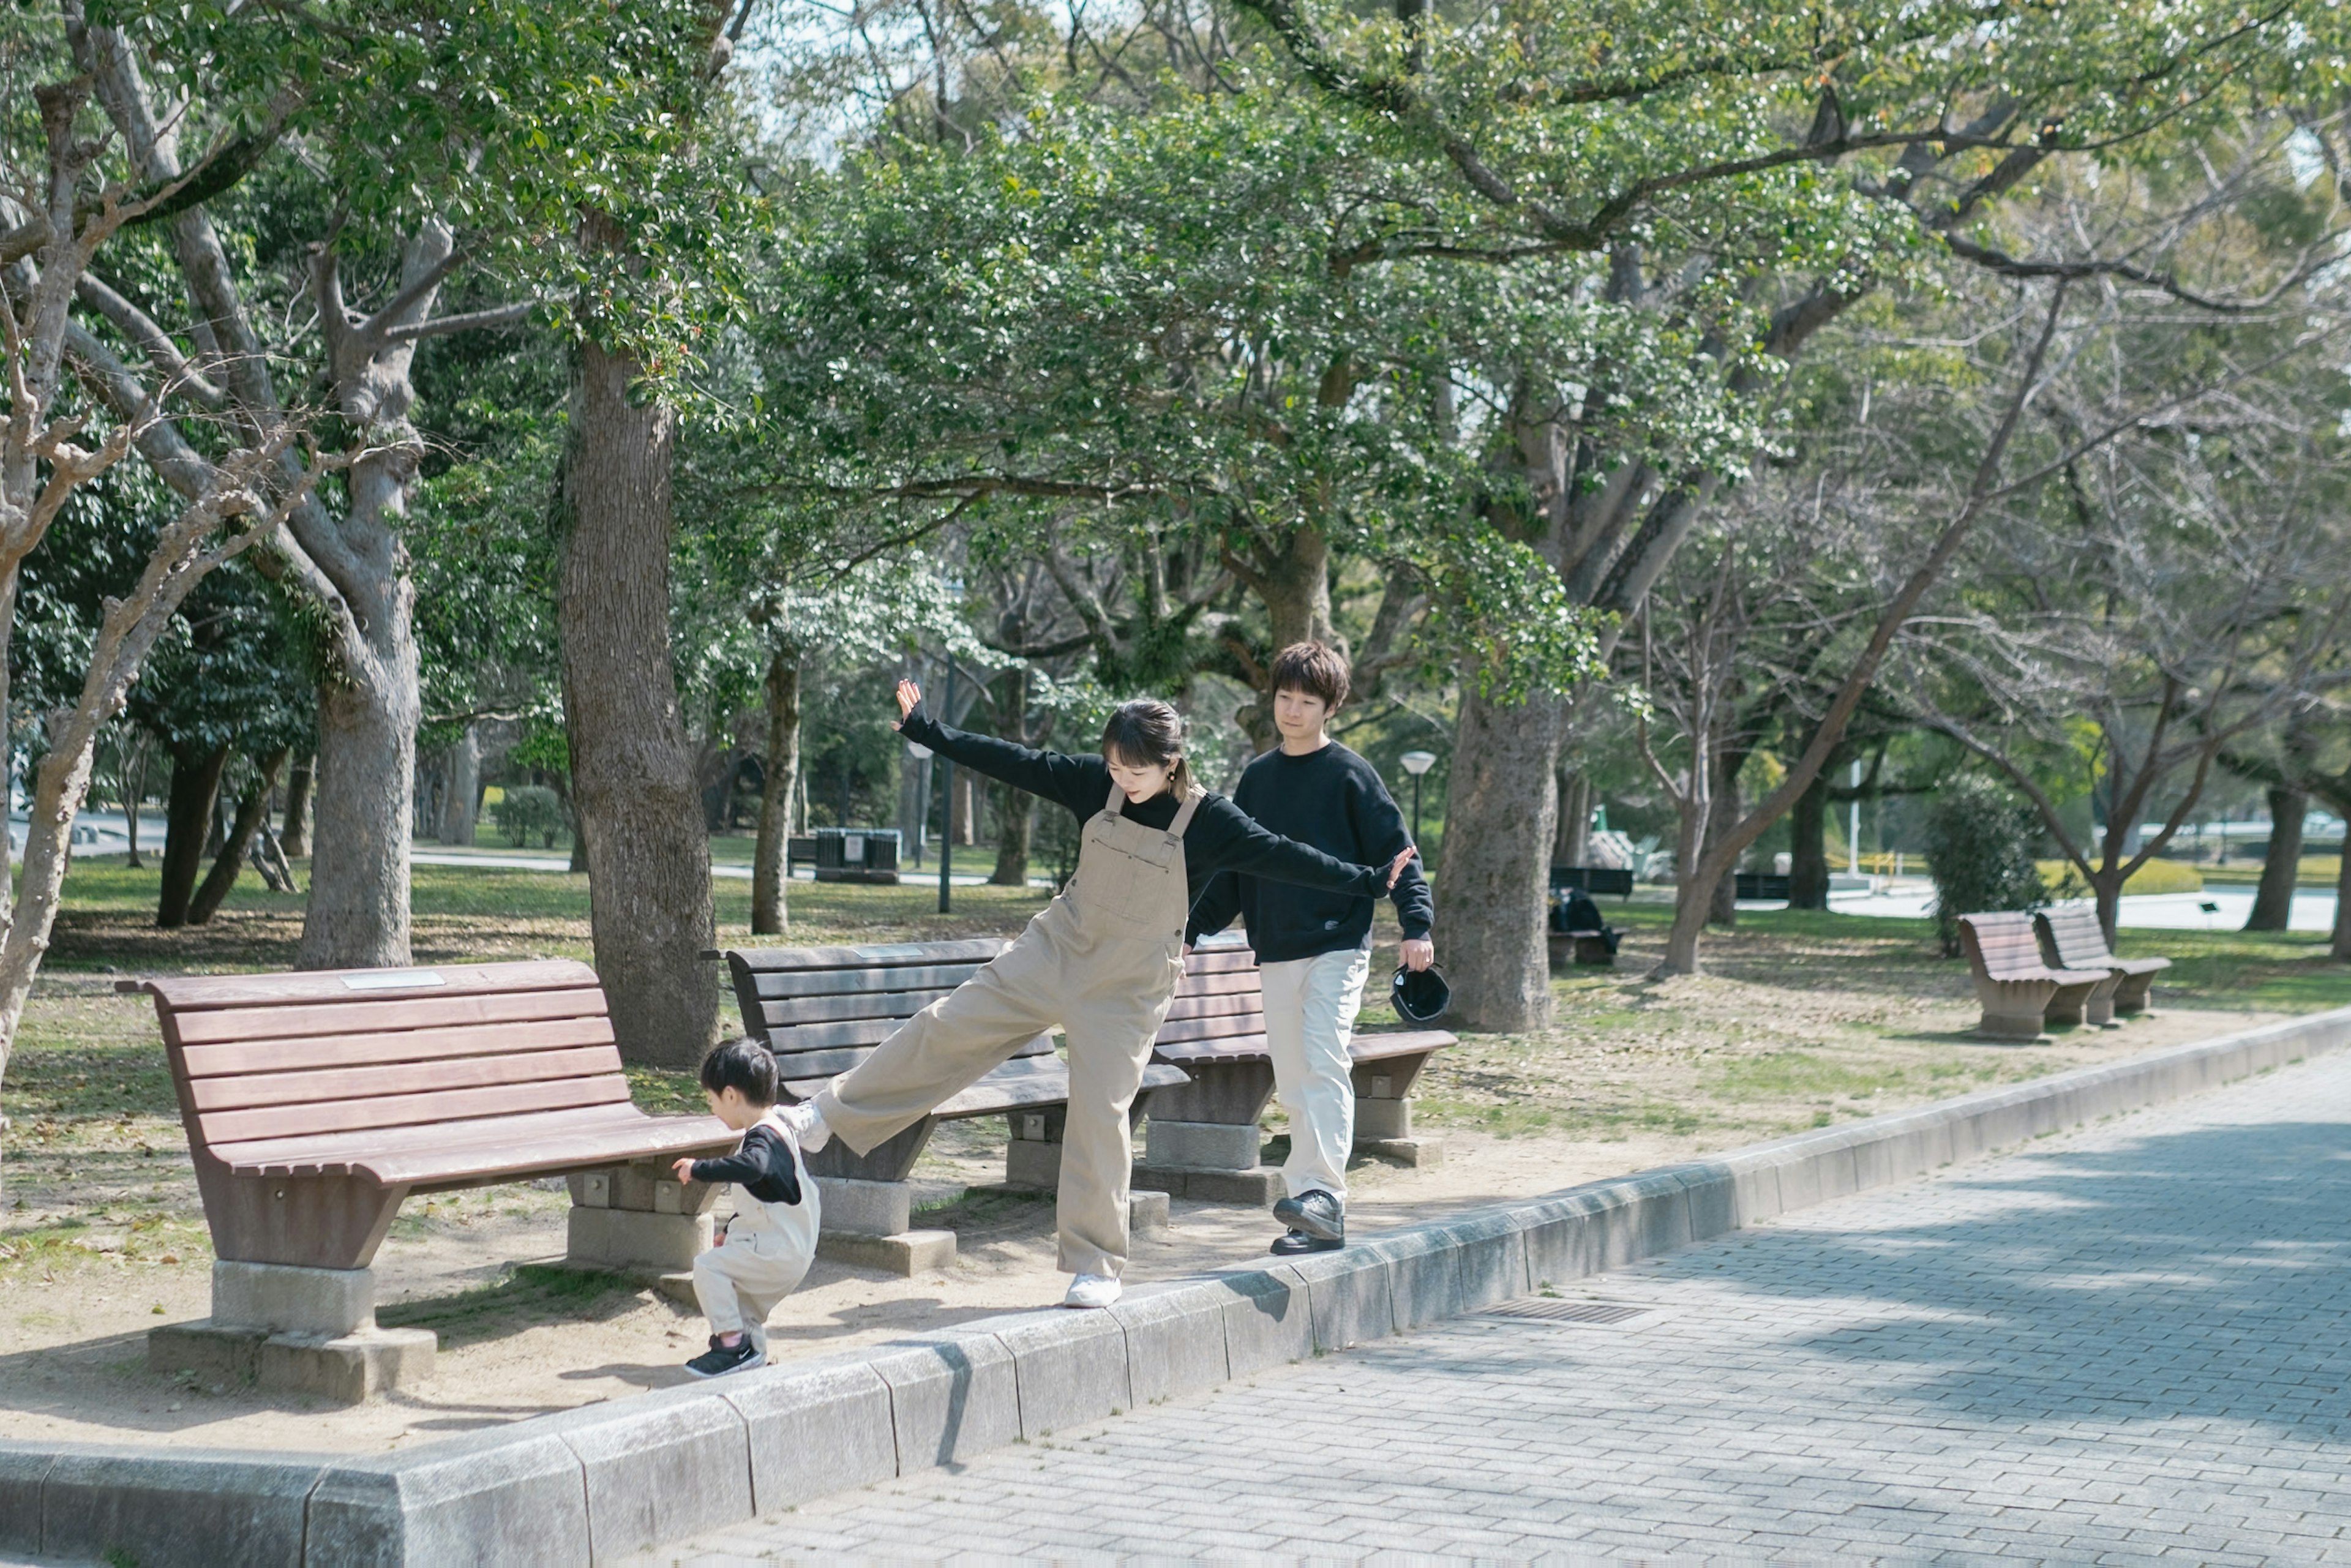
{"x":1317,"y":1213}
{"x":1293,"y":1243}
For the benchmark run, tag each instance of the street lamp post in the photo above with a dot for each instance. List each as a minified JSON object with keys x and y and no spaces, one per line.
{"x":1418,"y":763}
{"x":947,"y":802}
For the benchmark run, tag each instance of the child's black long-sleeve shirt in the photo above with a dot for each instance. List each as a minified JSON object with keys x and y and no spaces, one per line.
{"x":1221,"y":837}
{"x":763,"y":1167}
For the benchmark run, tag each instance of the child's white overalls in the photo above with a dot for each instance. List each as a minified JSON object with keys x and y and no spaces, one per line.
{"x":1102,"y":961}
{"x":767,"y":1253}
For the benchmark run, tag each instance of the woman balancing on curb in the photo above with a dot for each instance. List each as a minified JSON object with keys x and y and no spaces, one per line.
{"x":1102,"y":961}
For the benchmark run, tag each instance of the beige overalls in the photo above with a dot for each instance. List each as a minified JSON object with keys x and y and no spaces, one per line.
{"x":1102,"y":961}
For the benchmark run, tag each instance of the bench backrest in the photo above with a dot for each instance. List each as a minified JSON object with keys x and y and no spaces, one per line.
{"x":2002,"y":943}
{"x":2080,"y":943}
{"x":1220,"y":1006}
{"x":350,"y":1052}
{"x":1605,"y":880}
{"x":823,"y":1009}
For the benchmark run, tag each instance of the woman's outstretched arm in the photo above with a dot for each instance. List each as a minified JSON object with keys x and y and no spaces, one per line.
{"x":1231,"y":840}
{"x":1080,"y":783}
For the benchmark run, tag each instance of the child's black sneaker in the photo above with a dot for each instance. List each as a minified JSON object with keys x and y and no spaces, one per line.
{"x":721,"y":1359}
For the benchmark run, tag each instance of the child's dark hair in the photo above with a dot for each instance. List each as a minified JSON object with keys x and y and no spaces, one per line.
{"x":744,"y":1066}
{"x":1312,"y":668}
{"x":1147,"y":733}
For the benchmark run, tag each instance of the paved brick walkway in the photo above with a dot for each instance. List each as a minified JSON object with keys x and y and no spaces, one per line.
{"x":2127,"y":1344}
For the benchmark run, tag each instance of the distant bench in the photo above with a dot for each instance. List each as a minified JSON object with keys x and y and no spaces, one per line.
{"x":2072,"y":938}
{"x":2018,"y":990}
{"x":1762,"y":886}
{"x":1596,"y":880}
{"x":821,"y":1011}
{"x":316,"y":1104}
{"x":1202,"y":1140}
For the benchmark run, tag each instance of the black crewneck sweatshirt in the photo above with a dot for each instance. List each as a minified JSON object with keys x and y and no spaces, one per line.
{"x":1333,"y":800}
{"x":1220,"y":837}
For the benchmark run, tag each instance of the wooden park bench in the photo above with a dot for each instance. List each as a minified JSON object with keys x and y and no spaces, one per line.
{"x":821,"y":1010}
{"x":1202,"y":1140}
{"x":2018,"y":990}
{"x":1596,"y":880}
{"x":316,"y":1104}
{"x":2072,"y":938}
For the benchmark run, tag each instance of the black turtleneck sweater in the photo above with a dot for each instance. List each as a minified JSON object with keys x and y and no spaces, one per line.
{"x":1221,"y":837}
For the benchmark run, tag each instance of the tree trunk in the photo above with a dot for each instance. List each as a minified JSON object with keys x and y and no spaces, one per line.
{"x":2339,"y":948}
{"x":1571,"y":839}
{"x":771,"y":862}
{"x":250,"y":813}
{"x":366,"y":781}
{"x":2107,"y":887}
{"x":2282,"y":864}
{"x":633,"y":775}
{"x":1722,"y":902}
{"x":1500,"y":817}
{"x":1016,"y":816}
{"x":966,"y":808}
{"x":1808,"y":853}
{"x":134,"y":785}
{"x":188,"y":815}
{"x":461,"y":794}
{"x":1295,"y":587}
{"x":294,"y":837}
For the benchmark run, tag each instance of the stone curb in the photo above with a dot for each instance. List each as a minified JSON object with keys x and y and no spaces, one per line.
{"x":606,"y":1480}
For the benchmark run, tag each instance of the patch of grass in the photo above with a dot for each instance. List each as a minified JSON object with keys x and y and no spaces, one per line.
{"x":528,"y":1294}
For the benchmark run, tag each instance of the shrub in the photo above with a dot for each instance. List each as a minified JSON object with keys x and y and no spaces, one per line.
{"x":531,"y":809}
{"x":1980,"y":841}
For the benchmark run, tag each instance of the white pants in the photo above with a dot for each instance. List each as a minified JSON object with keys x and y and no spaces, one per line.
{"x":1309,"y":1016}
{"x":763,"y":1258}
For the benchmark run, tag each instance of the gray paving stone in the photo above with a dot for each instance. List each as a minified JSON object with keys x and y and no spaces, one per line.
{"x":1174,"y":1341}
{"x":483,"y":1497}
{"x":658,"y":1466}
{"x":184,"y":1507}
{"x":814,"y":1428}
{"x":1069,"y":1367}
{"x":950,"y":1400}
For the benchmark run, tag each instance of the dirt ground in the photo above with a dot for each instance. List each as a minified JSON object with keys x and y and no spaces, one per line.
{"x":101,"y":1238}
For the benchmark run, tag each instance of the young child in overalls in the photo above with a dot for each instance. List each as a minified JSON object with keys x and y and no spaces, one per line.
{"x":1101,"y":962}
{"x":772,"y":1238}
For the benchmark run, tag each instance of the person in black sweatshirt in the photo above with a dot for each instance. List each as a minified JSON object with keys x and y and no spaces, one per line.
{"x":1314,"y":948}
{"x":1101,"y":962}
{"x":772,"y":1238}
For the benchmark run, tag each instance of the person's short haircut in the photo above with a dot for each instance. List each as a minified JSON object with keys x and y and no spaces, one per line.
{"x":1312,"y":668}
{"x":744,"y":1066}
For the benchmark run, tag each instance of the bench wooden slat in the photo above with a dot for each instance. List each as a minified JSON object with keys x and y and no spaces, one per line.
{"x":454,"y":1136}
{"x":799,"y":1012}
{"x":878,"y":956}
{"x":1176,"y":1031}
{"x":798,"y":985}
{"x":399,"y":1109}
{"x":1217,"y":1004}
{"x":406,"y":1045}
{"x":188,"y":995}
{"x":503,"y":1146}
{"x":379,"y":1015}
{"x":247,"y":1091}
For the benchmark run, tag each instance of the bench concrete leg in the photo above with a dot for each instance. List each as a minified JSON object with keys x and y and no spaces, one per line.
{"x":1213,"y":1161}
{"x":2012,"y":1009}
{"x":2132,"y":993}
{"x":1384,"y":1128}
{"x":642,"y":1222}
{"x":2071,"y":1005}
{"x":870,"y":1224}
{"x":291,"y":1330}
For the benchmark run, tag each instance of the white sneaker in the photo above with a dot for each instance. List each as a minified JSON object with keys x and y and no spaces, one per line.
{"x":1091,"y":1291}
{"x":807,"y":1126}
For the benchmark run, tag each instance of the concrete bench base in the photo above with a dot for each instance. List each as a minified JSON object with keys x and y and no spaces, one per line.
{"x":906,"y":1253}
{"x":1258,"y":1186}
{"x":1422,"y":1152}
{"x":346,"y":1368}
